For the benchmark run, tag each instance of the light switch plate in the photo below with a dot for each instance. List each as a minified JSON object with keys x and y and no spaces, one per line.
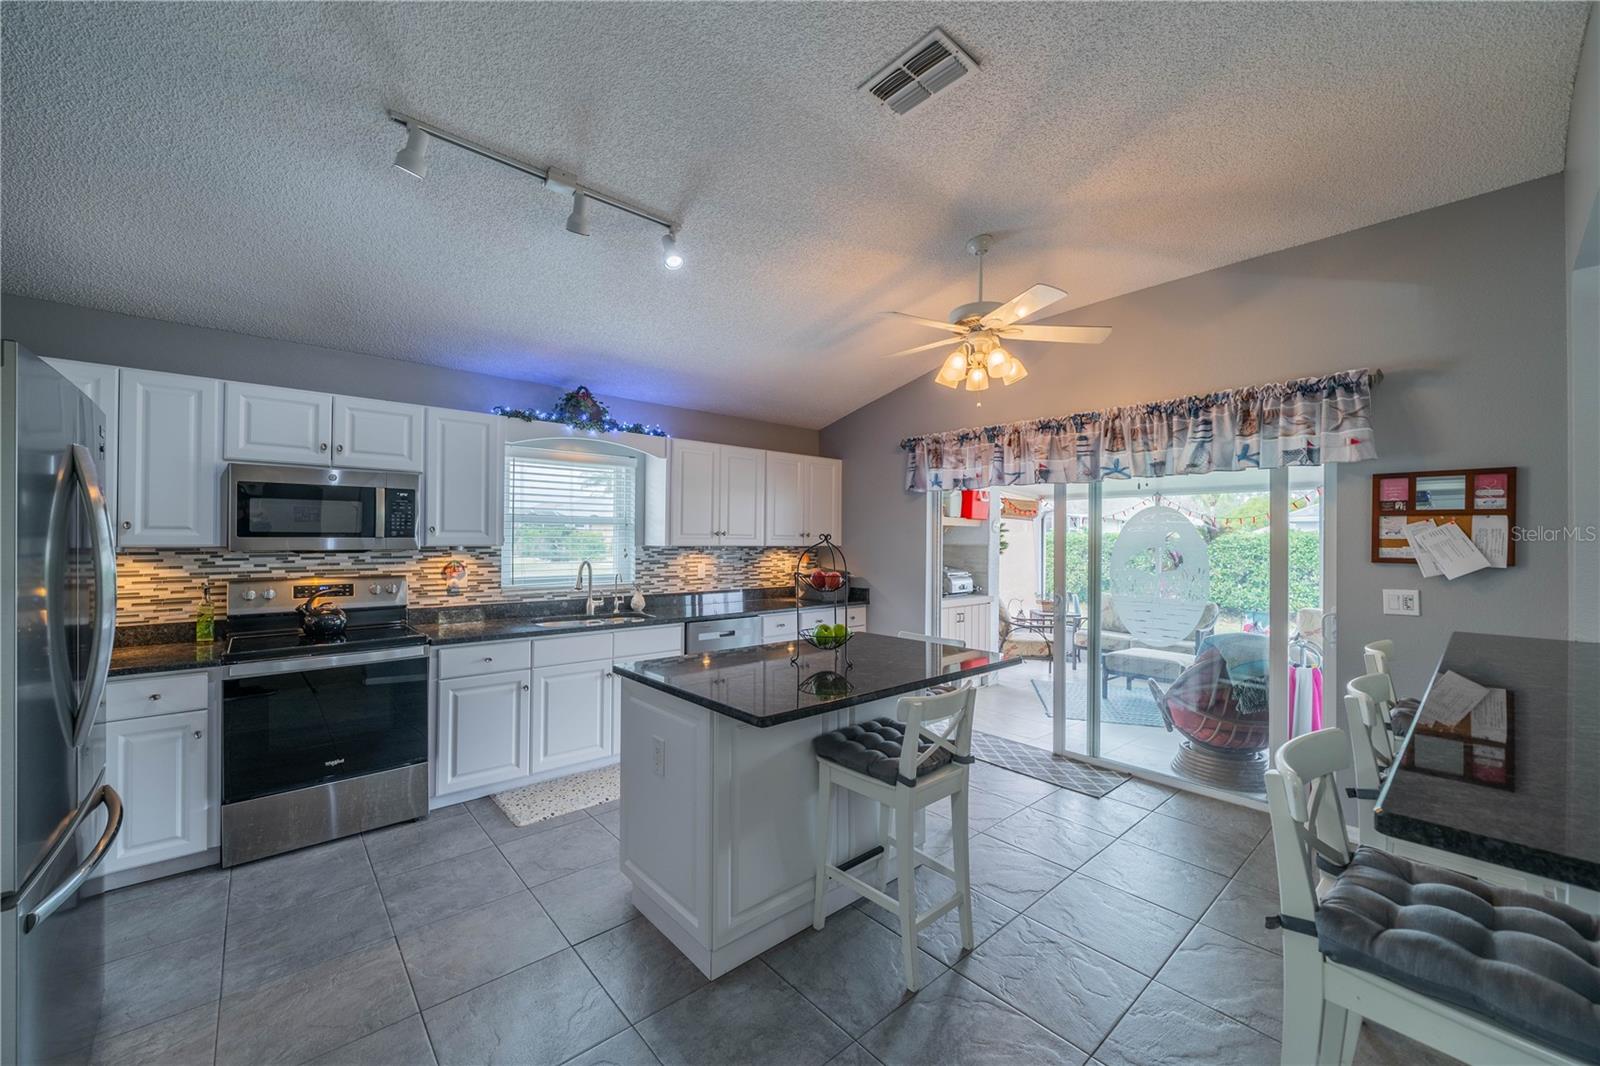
{"x":1402,"y":601}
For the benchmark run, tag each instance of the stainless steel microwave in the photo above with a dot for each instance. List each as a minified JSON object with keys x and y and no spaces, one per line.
{"x":317,"y":508}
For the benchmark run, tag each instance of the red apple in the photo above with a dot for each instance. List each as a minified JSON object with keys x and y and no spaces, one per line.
{"x":819,"y":578}
{"x":835,"y":579}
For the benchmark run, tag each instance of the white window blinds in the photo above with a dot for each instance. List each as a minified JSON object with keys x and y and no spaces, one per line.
{"x":564,"y":509}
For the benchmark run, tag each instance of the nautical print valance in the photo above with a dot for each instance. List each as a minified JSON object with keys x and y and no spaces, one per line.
{"x":1304,"y":422}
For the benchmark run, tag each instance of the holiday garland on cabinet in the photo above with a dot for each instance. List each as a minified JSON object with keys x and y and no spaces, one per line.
{"x":581,"y":410}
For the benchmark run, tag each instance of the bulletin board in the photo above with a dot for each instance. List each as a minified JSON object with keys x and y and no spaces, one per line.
{"x":1483,"y":502}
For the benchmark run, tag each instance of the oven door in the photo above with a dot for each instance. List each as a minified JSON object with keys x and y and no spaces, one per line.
{"x":296,"y":723}
{"x":287,"y":508}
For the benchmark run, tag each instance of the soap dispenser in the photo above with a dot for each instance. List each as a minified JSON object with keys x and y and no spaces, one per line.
{"x":205,"y":621}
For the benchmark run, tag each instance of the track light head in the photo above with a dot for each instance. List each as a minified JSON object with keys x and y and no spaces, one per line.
{"x":671,"y":258}
{"x":413,"y":158}
{"x":578,"y":221}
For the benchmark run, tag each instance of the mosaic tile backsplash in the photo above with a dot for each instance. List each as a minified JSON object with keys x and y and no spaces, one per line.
{"x":165,"y":586}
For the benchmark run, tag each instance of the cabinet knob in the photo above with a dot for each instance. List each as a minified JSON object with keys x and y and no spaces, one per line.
{"x":338,"y":447}
{"x":155,"y":695}
{"x":526,"y":686}
{"x":431,"y":529}
{"x":127,"y":525}
{"x":488,"y":658}
{"x":322,"y":447}
{"x":197,"y":734}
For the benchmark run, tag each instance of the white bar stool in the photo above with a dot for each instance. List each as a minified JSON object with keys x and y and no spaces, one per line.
{"x":905,"y":766}
{"x":1379,"y":657}
{"x":1369,"y":707}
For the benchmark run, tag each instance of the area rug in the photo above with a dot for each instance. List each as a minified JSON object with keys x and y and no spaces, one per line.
{"x":1044,"y":765}
{"x":562,"y":795}
{"x":1120,"y":707}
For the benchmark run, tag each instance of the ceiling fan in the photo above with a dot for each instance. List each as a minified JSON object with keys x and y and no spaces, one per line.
{"x":982,"y":325}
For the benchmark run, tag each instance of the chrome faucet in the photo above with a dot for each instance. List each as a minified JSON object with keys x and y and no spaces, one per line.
{"x":588,"y":599}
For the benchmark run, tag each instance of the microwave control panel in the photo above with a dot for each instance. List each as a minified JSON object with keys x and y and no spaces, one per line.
{"x":400,"y":513}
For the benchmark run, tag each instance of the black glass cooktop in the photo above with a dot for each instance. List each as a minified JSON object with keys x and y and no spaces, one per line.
{"x":285,"y":643}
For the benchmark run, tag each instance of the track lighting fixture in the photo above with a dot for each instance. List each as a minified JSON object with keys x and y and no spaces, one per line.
{"x":671,"y":258}
{"x":413,"y":158}
{"x":578,"y":221}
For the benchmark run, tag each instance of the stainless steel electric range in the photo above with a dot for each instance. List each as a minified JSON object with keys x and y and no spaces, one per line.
{"x":325,"y":736}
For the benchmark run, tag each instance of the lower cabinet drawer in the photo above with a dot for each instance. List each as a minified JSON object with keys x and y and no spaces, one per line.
{"x":464,"y":660}
{"x":816,"y":616}
{"x":855,"y":617}
{"x":778,"y":627}
{"x":148,"y":694}
{"x":648,"y":642}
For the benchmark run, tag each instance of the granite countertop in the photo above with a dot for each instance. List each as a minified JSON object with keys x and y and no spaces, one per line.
{"x":762,"y":687}
{"x":129,"y":659}
{"x":1530,"y":805}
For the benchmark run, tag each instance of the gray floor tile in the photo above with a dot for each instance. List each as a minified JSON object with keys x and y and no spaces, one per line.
{"x":627,"y":1048}
{"x":937,"y":833}
{"x":439,"y":836}
{"x":429,"y":893}
{"x":405,"y":1043}
{"x":1216,"y":814}
{"x":1240,"y":980}
{"x":588,"y":902}
{"x":494,"y":822}
{"x":1131,"y":930}
{"x":854,"y":1055}
{"x":149,"y":915}
{"x":547,"y":1011}
{"x":185,"y":1039}
{"x":983,"y":809}
{"x":640,"y":969}
{"x":942,"y":939}
{"x":1220,"y":849}
{"x":1241,"y":912}
{"x":155,"y":984}
{"x":1019,"y":788}
{"x":1161,"y":879}
{"x":750,"y":1016}
{"x":289,"y":880}
{"x":317,"y":1010}
{"x":1008,"y":875}
{"x":1103,"y":815}
{"x":1062,"y":842}
{"x":1146,"y":794}
{"x":1261,"y":868}
{"x":279,"y":943}
{"x":1378,"y":1046}
{"x":1070,"y":989}
{"x":850,"y":970}
{"x":547,"y":856}
{"x":611,"y":820}
{"x":461,"y":952}
{"x":953,"y":1021}
{"x":1164,"y":1028}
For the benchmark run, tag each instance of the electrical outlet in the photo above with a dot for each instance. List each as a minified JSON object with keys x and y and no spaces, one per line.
{"x":659,"y":754}
{"x":1401,"y":601}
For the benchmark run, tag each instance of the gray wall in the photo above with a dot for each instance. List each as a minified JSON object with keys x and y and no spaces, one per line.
{"x":1583,"y":329}
{"x":1462,"y":307}
{"x":68,"y":332}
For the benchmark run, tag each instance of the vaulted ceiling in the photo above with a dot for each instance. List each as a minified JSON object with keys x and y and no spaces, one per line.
{"x":227,"y":165}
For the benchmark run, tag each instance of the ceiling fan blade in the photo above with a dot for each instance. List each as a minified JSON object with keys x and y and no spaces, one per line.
{"x":1059,"y":334}
{"x":949,"y":327}
{"x":1023,"y":305}
{"x":944,"y":343}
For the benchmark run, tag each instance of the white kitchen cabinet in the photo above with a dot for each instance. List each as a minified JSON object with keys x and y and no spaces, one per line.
{"x":99,"y":383}
{"x":823,"y":487}
{"x":377,"y":434}
{"x":485,"y":729}
{"x":169,"y":456}
{"x":571,"y":714}
{"x":742,"y":485}
{"x":463,"y":479}
{"x":969,"y":621}
{"x":269,"y":424}
{"x":717,"y":495}
{"x":802,"y":499}
{"x":158,"y":765}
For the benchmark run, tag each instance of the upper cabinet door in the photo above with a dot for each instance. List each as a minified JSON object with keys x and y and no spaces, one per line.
{"x":742,"y":485}
{"x":169,"y":442}
{"x":267,"y":424}
{"x":463,"y":481}
{"x":377,"y":435}
{"x":694,"y":517}
{"x":786,"y":500}
{"x":99,"y":383}
{"x":822,"y":494}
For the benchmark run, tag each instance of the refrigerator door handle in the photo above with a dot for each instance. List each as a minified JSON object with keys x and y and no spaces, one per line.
{"x":78,"y":713}
{"x":106,"y":797}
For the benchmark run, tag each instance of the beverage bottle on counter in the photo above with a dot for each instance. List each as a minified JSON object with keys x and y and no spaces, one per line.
{"x":205,"y":622}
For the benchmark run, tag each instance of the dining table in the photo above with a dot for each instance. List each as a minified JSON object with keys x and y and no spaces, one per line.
{"x":1515,"y":782}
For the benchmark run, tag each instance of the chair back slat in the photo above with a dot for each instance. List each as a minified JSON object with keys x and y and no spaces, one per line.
{"x":1307,"y":765}
{"x":944,"y":719}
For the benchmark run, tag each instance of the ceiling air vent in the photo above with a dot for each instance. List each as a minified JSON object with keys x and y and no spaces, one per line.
{"x":921,"y":70}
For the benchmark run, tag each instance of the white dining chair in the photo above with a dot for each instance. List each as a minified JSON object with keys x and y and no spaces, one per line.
{"x":1379,"y":657}
{"x":1488,"y":974}
{"x":905,"y":766}
{"x":1367,"y":705}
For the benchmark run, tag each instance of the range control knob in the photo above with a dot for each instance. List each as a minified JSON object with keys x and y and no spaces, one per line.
{"x":270,"y":594}
{"x":249,"y":594}
{"x":391,"y":589}
{"x":374,"y":588}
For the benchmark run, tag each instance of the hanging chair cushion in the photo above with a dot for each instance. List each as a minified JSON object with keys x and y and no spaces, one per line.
{"x":1529,"y":963}
{"x":873,"y":748}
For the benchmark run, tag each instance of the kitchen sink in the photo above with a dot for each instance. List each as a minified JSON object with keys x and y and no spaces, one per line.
{"x":595,"y":622}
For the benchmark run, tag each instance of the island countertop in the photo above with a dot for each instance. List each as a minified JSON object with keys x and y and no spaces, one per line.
{"x":777,"y":683}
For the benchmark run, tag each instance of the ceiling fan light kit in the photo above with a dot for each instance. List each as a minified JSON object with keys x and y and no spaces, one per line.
{"x":980,"y":326}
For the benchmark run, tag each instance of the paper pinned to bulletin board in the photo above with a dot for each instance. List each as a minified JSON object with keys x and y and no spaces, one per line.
{"x":1481,"y":502}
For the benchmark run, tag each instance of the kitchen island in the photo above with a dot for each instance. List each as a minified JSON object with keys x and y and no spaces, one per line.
{"x":719,"y":782}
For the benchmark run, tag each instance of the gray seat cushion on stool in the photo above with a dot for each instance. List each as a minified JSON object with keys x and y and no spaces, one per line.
{"x":1529,"y":963}
{"x":873,"y":748}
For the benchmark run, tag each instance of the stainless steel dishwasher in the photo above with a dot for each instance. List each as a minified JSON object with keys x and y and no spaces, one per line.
{"x":722,"y":634}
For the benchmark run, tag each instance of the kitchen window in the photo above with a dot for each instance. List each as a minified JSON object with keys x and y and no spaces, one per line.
{"x":564,"y":507}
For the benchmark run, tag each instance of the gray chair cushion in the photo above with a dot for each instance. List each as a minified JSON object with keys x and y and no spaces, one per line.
{"x":1529,"y":963}
{"x":873,"y":748}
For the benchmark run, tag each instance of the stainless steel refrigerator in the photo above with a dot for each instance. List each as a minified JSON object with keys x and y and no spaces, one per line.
{"x":58,"y":817}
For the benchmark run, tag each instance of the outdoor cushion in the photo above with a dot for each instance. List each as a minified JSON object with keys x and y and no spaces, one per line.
{"x":1148,"y":662}
{"x":873,"y":748}
{"x":1529,"y":963}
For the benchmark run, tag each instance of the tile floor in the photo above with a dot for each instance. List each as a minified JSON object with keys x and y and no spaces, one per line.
{"x":1103,"y":931}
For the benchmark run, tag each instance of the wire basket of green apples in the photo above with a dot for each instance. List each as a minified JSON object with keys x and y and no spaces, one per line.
{"x":827,"y":636}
